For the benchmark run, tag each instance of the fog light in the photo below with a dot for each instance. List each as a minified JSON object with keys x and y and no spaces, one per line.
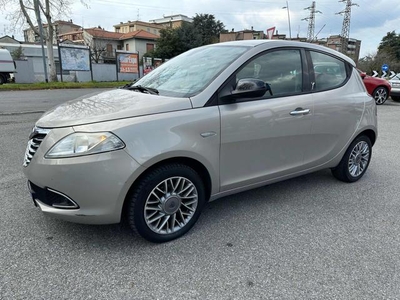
{"x":59,"y":200}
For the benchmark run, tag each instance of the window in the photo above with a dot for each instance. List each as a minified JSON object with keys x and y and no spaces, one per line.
{"x":127,"y":47}
{"x":109,"y":48}
{"x":281,"y":69}
{"x":119,"y":47}
{"x":329,"y":72}
{"x":149,"y":47}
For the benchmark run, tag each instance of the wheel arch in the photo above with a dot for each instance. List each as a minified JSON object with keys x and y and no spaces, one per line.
{"x":191,"y":162}
{"x":370,"y":134}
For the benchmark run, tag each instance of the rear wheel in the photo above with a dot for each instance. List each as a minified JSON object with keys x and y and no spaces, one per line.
{"x":380,"y":95}
{"x":166,"y":203}
{"x":355,"y":161}
{"x":395,"y":98}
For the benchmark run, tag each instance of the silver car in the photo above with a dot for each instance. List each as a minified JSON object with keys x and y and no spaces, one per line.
{"x":214,"y":121}
{"x":395,"y":91}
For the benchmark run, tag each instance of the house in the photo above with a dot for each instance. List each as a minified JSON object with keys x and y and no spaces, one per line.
{"x":173,"y":21}
{"x":353,"y":46}
{"x":103,"y":43}
{"x":60,"y":27}
{"x":138,"y":25}
{"x":241,"y":35}
{"x":9,"y":40}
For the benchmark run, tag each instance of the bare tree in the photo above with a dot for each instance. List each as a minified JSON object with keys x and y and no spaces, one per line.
{"x":97,"y":44}
{"x":24,"y":12}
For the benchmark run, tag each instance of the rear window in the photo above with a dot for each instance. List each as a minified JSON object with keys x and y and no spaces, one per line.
{"x":329,"y":71}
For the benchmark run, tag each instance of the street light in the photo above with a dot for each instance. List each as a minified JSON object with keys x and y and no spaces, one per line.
{"x":288,"y":16}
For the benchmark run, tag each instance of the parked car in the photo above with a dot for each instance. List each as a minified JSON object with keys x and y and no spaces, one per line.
{"x":377,"y":87}
{"x":213,"y":121}
{"x":7,"y":66}
{"x":395,"y":84}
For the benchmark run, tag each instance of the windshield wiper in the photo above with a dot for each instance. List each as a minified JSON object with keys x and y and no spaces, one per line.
{"x":144,"y":89}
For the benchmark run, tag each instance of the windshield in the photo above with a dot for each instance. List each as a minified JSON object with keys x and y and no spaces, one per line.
{"x":191,"y":72}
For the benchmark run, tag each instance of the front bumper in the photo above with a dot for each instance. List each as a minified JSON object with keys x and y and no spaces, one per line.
{"x":98,"y":183}
{"x":395,"y":92}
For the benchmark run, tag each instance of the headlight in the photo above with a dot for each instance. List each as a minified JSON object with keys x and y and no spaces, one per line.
{"x":82,"y":143}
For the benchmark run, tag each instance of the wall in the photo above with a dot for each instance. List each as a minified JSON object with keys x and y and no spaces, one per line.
{"x":25,"y":73}
{"x":31,"y":70}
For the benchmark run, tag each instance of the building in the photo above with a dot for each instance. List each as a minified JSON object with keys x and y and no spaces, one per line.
{"x":334,"y":42}
{"x":241,"y":35}
{"x":138,"y":25}
{"x":60,"y":27}
{"x":103,"y":43}
{"x":173,"y":21}
{"x":9,"y":40}
{"x":353,"y":46}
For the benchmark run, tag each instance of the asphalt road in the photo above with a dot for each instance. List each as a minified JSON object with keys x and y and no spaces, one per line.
{"x":312,"y":237}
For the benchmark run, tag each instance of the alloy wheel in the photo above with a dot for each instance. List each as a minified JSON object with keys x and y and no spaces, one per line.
{"x":359,"y":158}
{"x":380,"y":95}
{"x":171,"y":205}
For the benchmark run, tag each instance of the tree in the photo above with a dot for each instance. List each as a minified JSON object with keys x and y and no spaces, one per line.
{"x":17,"y":53}
{"x":391,"y":44}
{"x":97,"y":44}
{"x":25,"y":12}
{"x":173,"y":41}
{"x":208,"y":28}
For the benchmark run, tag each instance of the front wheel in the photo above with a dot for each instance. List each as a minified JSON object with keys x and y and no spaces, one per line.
{"x":355,"y":161}
{"x":166,"y":203}
{"x":395,"y":98}
{"x":380,"y":95}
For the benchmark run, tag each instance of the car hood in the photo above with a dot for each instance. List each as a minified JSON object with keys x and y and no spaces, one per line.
{"x":110,"y":105}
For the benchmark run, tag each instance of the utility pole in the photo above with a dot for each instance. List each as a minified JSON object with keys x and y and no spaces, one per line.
{"x":345,"y":35}
{"x":311,"y":21}
{"x":288,"y":16}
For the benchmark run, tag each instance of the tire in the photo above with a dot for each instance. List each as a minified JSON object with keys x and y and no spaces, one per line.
{"x":355,"y":161}
{"x":395,"y":98}
{"x":166,"y":203}
{"x":380,"y":95}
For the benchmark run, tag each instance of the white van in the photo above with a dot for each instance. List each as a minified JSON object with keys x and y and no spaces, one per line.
{"x":7,"y":65}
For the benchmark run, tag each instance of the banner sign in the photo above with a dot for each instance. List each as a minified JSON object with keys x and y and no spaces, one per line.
{"x":128,"y":63}
{"x":74,"y":59}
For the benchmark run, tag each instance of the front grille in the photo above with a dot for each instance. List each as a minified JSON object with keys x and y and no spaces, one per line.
{"x":35,"y":139}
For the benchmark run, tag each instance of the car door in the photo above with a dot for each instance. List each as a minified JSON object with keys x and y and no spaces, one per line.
{"x":263,"y":138}
{"x":338,"y":108}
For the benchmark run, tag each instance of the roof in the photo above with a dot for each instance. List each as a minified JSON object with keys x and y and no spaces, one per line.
{"x":104,"y":34}
{"x":172,"y":18}
{"x":153,"y":25}
{"x":101,"y":33}
{"x":284,"y":43}
{"x":139,"y":34}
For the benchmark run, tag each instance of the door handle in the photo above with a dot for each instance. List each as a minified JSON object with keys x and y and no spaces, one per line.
{"x":300,"y":111}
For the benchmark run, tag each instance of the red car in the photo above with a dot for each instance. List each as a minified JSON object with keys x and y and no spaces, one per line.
{"x":377,"y":87}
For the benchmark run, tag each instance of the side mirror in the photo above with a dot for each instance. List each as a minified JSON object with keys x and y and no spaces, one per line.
{"x":248,"y":88}
{"x":363,"y":75}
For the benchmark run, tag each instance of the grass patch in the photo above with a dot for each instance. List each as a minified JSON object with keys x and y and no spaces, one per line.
{"x":60,"y":85}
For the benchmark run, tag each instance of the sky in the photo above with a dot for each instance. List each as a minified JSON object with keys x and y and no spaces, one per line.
{"x":370,"y":22}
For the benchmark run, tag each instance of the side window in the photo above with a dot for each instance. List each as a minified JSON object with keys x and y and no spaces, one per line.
{"x":329,"y":72}
{"x":281,"y":69}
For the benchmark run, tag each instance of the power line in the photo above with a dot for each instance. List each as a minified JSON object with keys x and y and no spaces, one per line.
{"x":311,"y":21}
{"x":345,"y":35}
